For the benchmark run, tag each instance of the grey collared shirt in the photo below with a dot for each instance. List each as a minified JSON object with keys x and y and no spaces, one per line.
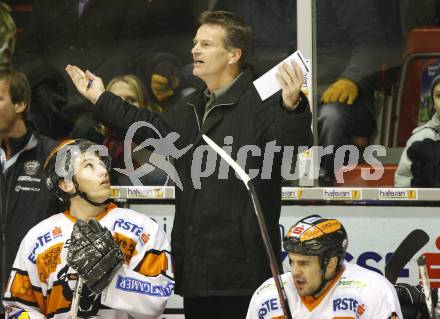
{"x":212,"y":97}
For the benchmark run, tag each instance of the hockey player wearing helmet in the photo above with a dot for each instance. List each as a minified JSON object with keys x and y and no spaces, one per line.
{"x":76,"y":161}
{"x":321,"y":284}
{"x":316,"y":253}
{"x":123,"y":256}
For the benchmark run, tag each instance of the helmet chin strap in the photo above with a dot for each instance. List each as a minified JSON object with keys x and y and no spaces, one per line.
{"x":324,"y":281}
{"x":84,"y":196}
{"x":87,"y":199}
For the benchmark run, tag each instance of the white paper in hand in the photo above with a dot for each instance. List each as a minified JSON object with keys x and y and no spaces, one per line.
{"x":267,"y":84}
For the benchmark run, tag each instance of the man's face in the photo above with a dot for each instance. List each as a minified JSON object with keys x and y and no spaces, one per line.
{"x":92,"y":177}
{"x":8,"y":114}
{"x":209,"y":53}
{"x":306,"y":272}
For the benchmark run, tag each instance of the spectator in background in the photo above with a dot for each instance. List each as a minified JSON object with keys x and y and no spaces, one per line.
{"x":419,"y":165}
{"x":350,"y":41}
{"x":24,"y":199}
{"x":161,"y":74}
{"x":130,"y":89}
{"x":99,"y":35}
{"x":7,"y":35}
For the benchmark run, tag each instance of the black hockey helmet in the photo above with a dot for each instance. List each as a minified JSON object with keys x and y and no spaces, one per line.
{"x":60,"y":165}
{"x":318,"y":236}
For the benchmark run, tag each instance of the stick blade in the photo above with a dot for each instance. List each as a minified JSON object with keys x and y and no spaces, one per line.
{"x":403,"y":254}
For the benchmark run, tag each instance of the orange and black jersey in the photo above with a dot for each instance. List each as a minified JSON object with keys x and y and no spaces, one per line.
{"x":42,"y":283}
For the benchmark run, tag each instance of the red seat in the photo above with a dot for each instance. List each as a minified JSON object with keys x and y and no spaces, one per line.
{"x":21,"y":7}
{"x":353,"y":177}
{"x":423,"y":40}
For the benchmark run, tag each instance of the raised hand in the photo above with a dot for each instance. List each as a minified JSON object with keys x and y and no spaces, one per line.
{"x":88,"y":85}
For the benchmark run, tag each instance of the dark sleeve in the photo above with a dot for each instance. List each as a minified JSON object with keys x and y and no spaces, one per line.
{"x":118,"y":116}
{"x":293,"y":128}
{"x":362,"y":25}
{"x":425,"y":167}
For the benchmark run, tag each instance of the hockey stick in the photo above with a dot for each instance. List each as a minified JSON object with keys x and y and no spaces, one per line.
{"x":74,"y":307}
{"x":261,"y":222}
{"x":421,"y":262}
{"x":406,"y":250}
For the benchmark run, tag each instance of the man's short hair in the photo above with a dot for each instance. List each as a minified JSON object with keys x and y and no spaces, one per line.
{"x":238,"y":33}
{"x":19,"y":87}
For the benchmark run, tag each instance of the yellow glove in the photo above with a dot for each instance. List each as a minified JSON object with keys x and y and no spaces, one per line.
{"x":162,"y":87}
{"x":342,"y":91}
{"x":23,"y":315}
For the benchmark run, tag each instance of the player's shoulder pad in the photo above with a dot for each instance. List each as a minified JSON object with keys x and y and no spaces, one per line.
{"x":370,"y":280}
{"x":46,"y":225}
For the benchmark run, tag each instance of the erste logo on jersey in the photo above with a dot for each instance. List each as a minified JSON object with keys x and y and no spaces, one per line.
{"x":143,"y":238}
{"x":43,"y":240}
{"x":348,"y":305}
{"x":57,"y":232}
{"x":267,"y":307}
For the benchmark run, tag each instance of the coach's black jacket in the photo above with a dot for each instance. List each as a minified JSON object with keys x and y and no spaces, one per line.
{"x":216,"y":243}
{"x":24,"y":197}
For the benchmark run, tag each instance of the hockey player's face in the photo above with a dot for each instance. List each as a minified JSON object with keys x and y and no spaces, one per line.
{"x":306,"y":272}
{"x":8,"y":110}
{"x":92,"y":177}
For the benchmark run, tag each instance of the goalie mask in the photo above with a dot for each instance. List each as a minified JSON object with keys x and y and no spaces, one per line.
{"x":317,"y":236}
{"x":62,"y":164}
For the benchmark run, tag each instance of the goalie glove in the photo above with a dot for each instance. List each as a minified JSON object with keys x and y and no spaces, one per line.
{"x":94,"y":254}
